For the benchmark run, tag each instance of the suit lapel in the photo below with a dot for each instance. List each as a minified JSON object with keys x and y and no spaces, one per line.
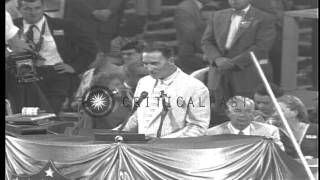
{"x":248,"y":17}
{"x":221,"y":27}
{"x":53,"y":26}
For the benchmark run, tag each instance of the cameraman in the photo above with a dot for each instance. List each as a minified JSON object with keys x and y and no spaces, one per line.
{"x":63,"y":50}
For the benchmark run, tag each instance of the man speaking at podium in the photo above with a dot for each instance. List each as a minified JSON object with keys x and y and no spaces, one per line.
{"x":169,"y":103}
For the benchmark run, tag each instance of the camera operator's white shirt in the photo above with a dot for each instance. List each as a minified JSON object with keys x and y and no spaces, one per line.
{"x":48,"y":49}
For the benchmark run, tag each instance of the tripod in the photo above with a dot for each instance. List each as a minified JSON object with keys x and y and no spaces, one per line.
{"x":26,"y":94}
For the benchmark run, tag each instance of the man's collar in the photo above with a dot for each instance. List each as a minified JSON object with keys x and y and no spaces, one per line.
{"x":168,"y":80}
{"x":245,"y":10}
{"x":198,"y":3}
{"x":38,"y":24}
{"x":246,"y":131}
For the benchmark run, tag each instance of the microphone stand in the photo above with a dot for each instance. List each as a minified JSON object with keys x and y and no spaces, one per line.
{"x":163,"y":113}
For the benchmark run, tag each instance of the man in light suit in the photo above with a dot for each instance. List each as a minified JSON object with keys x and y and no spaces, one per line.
{"x":229,"y":37}
{"x":240,"y":112}
{"x":190,"y":26}
{"x":185,"y":98}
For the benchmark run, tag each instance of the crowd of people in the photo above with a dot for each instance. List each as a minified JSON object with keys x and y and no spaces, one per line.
{"x":88,"y":47}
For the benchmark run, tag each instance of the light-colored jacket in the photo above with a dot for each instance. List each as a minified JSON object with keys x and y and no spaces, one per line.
{"x":257,"y":129}
{"x":189,"y":114}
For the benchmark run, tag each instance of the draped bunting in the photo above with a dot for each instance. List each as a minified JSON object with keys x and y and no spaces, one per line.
{"x":220,"y":157}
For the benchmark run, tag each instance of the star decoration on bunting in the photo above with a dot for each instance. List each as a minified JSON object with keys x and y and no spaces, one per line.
{"x":49,"y":172}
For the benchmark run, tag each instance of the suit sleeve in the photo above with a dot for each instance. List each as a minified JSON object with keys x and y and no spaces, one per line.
{"x":264,"y":39}
{"x":198,"y":118}
{"x":132,"y":124}
{"x":86,"y":48}
{"x":186,"y":34}
{"x":208,"y":41}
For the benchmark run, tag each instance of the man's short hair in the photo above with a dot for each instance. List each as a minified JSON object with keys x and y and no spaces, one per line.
{"x":29,"y":1}
{"x":262,"y":90}
{"x":136,"y":45}
{"x":163,"y":47}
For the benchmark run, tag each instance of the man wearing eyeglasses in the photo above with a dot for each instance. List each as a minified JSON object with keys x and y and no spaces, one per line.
{"x":240,"y":111}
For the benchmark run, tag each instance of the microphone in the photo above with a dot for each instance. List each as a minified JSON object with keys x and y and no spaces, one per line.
{"x":143,"y":95}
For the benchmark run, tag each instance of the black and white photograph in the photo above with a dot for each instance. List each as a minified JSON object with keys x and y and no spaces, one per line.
{"x":161,"y":90}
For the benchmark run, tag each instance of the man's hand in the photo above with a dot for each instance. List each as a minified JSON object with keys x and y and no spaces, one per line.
{"x":224,"y":63}
{"x":17,"y":45}
{"x":102,"y":15}
{"x":63,"y":68}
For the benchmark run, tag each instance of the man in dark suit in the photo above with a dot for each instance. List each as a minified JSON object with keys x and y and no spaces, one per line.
{"x":99,"y":18}
{"x":229,"y":37}
{"x":65,"y":50}
{"x":189,"y":26}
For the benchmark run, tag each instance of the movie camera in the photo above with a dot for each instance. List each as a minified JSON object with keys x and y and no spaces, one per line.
{"x":22,"y":66}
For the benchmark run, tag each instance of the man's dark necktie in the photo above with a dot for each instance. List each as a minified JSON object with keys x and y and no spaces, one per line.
{"x":30,"y":35}
{"x":240,"y":133}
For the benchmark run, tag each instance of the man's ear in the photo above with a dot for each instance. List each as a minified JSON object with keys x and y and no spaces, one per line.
{"x":295,"y":112}
{"x":171,"y":60}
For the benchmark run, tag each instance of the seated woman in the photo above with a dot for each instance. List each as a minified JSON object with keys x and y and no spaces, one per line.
{"x":306,"y":133}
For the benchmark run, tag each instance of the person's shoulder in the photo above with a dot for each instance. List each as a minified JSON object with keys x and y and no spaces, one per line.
{"x":262,"y":14}
{"x":222,"y":11}
{"x":218,"y":129}
{"x":146,"y":79}
{"x":193,"y":82}
{"x":260,"y":125}
{"x":59,"y":22}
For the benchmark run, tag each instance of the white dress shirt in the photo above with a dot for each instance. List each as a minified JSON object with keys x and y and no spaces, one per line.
{"x":234,"y":27}
{"x":48,"y":49}
{"x":245,"y":131}
{"x":181,"y":120}
{"x":11,"y":29}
